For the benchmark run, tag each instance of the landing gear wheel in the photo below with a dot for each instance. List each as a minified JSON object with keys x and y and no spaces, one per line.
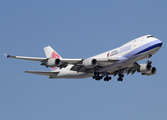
{"x":97,"y":76}
{"x":120,"y":79}
{"x":107,"y":78}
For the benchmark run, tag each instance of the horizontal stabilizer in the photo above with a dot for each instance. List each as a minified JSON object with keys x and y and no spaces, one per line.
{"x":42,"y":73}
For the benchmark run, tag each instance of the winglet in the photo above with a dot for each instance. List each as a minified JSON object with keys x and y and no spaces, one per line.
{"x":6,"y":55}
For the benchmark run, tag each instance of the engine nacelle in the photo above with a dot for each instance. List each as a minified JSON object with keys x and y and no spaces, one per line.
{"x":53,"y":62}
{"x":144,"y":68}
{"x":151,"y":72}
{"x":89,"y":63}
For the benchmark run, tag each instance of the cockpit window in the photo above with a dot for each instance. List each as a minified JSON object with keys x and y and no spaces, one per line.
{"x":150,"y":36}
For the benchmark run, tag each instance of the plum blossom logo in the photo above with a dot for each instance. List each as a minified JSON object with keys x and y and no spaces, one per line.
{"x":108,"y":54}
{"x":54,"y":55}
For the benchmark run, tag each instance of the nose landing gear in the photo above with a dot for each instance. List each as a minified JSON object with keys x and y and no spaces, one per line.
{"x":149,"y":62}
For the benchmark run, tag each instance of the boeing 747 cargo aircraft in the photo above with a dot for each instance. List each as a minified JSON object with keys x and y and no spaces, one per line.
{"x":114,"y":62}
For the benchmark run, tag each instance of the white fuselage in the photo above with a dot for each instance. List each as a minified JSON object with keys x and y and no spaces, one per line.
{"x":128,"y":53}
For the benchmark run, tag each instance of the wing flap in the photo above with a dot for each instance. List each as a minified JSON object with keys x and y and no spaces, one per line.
{"x":78,"y":68}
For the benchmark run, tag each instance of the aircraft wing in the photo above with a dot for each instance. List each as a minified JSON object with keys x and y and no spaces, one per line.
{"x":69,"y":61}
{"x":42,"y":73}
{"x":78,"y":66}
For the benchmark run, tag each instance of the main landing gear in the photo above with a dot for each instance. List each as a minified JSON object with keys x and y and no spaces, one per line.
{"x":120,"y":77}
{"x":98,"y":77}
{"x":107,"y":78}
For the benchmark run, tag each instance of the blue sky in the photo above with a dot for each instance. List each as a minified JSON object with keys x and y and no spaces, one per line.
{"x":79,"y":29}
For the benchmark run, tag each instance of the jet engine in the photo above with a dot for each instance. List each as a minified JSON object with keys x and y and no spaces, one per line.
{"x":89,"y":63}
{"x":53,"y":62}
{"x":151,"y":72}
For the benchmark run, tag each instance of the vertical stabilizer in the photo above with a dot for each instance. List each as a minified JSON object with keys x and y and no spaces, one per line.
{"x":50,"y":53}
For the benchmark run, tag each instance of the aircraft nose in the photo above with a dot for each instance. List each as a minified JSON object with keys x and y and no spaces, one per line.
{"x":160,"y":43}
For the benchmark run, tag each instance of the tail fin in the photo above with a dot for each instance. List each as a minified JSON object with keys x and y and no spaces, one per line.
{"x":50,"y":53}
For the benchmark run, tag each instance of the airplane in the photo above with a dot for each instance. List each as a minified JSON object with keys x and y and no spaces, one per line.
{"x":116,"y":62}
